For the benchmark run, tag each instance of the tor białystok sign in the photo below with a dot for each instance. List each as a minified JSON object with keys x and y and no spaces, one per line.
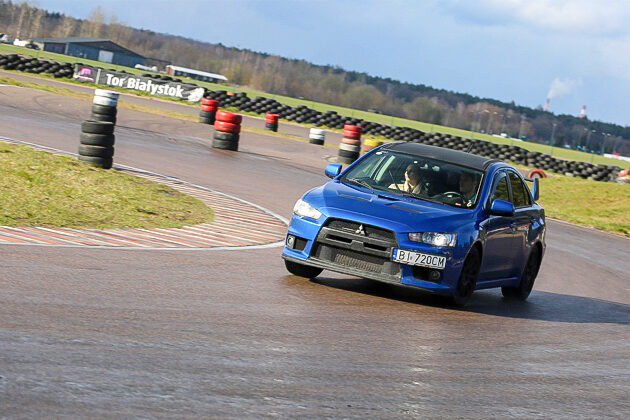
{"x":155,"y":87}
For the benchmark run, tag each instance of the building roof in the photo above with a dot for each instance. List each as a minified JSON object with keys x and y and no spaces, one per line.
{"x":73,"y":40}
{"x":198,"y":72}
{"x":86,"y":40}
{"x":441,"y":153}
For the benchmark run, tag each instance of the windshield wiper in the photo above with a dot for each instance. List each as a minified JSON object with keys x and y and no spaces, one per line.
{"x":416,"y":196}
{"x":360,"y":182}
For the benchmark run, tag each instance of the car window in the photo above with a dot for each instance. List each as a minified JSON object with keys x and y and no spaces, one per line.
{"x":500,"y":188}
{"x":416,"y":176}
{"x":519,"y":194}
{"x":367,"y":170}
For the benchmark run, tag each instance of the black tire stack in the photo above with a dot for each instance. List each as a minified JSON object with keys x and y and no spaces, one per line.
{"x":97,"y":134}
{"x":208,"y":110}
{"x":33,"y":65}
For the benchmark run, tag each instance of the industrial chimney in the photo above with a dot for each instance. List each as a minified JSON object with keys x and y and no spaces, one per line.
{"x":547,"y":105}
{"x":583,"y":112}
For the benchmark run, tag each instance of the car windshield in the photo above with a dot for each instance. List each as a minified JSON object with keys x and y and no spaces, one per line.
{"x":418,"y":177}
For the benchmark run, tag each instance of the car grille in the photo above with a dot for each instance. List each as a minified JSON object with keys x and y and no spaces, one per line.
{"x":370,"y":231}
{"x":357,"y":246}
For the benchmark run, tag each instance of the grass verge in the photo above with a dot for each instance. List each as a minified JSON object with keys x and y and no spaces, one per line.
{"x":600,"y":205}
{"x":40,"y":189}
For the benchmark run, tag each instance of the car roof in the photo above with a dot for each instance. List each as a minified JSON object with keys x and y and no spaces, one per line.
{"x":441,"y":153}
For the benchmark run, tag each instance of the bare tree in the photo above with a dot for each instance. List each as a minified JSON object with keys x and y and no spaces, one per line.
{"x":96,"y":21}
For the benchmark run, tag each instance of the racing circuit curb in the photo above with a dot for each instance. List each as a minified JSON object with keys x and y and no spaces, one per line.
{"x":238,"y":224}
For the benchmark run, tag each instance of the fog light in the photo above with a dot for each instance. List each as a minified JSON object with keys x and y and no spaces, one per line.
{"x":434,"y":275}
{"x":290,"y":241}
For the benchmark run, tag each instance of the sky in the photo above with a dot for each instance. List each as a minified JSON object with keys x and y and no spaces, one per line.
{"x":577,"y":52}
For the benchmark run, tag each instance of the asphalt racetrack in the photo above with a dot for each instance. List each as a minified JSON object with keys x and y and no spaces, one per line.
{"x":121,"y":333}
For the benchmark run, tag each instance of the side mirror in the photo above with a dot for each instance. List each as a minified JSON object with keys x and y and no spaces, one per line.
{"x":332,"y":170}
{"x":502,"y":208}
{"x":536,"y":189}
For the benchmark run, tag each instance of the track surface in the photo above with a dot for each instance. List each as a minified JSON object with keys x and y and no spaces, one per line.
{"x":109,"y":333}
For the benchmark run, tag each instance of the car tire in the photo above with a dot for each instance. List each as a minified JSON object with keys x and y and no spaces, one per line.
{"x":97,"y":127}
{"x":301,"y":270}
{"x":467,"y":279}
{"x":219,"y":135}
{"x":524,"y":288}
{"x":227,"y":127}
{"x":103,"y":118}
{"x":104,"y":140}
{"x":225,"y":145}
{"x":96,"y":151}
{"x":105,"y":110}
{"x":101,"y":162}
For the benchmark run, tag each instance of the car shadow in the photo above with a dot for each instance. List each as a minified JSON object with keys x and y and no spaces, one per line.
{"x":541,"y":305}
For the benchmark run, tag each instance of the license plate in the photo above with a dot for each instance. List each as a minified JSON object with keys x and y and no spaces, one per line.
{"x":416,"y":258}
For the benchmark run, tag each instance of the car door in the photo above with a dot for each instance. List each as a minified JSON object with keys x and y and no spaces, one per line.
{"x":524,"y":216}
{"x":499,"y":249}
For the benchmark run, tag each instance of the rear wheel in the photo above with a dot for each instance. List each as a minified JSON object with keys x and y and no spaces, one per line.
{"x":468,"y":278}
{"x":302,"y":270}
{"x":522,"y":291}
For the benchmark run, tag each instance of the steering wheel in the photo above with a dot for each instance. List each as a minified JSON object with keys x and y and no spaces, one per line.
{"x":453,"y":195}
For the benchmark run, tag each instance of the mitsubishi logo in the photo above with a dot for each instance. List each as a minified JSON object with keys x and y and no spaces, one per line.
{"x":360,"y":231}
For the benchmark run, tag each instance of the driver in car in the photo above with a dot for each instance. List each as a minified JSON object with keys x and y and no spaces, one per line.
{"x":468,"y":188}
{"x":413,"y":180}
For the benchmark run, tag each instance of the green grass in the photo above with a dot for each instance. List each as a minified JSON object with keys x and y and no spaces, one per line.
{"x":40,"y":189}
{"x":601,"y":205}
{"x":557,"y":152}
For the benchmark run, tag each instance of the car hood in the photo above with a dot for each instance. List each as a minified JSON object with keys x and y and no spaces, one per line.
{"x":390,"y":211}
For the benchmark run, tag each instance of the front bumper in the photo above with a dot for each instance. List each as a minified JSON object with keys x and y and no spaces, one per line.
{"x":338,"y":268}
{"x":364,"y":256}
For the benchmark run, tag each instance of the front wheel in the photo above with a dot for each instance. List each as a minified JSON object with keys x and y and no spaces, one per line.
{"x":467,"y":279}
{"x":522,"y":291}
{"x":301,"y":270}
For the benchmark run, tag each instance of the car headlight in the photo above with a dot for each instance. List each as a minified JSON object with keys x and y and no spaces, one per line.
{"x":303,"y":209}
{"x":434,"y":238}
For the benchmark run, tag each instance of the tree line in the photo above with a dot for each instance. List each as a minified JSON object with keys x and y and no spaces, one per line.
{"x":323,"y":83}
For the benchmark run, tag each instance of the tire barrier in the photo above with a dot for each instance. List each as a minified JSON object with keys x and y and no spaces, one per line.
{"x":370,"y":144}
{"x":208,"y":110}
{"x":536,"y":173}
{"x":271,"y":122}
{"x":33,"y":65}
{"x":227,"y":128}
{"x":352,"y":132}
{"x":317,"y":136}
{"x":97,"y":134}
{"x":350,"y":146}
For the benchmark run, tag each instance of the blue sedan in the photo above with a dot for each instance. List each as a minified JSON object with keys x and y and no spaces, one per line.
{"x":441,"y":220}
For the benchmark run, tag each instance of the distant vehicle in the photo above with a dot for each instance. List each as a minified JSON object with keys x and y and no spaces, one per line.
{"x":445,"y":221}
{"x":146,"y":68}
{"x":26,"y":43}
